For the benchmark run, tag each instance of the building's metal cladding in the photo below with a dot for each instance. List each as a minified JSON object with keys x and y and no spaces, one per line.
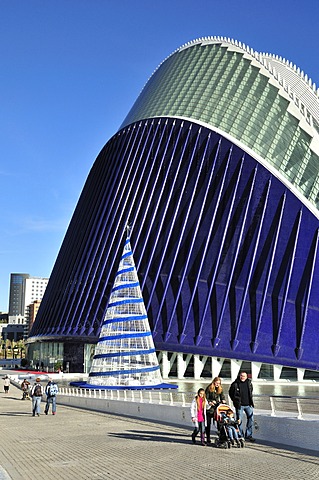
{"x":216,"y":170}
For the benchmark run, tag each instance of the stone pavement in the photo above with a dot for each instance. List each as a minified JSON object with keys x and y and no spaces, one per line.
{"x":89,"y":445}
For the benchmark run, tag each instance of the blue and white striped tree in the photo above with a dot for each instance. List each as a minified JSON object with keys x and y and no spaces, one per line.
{"x":125,"y":353}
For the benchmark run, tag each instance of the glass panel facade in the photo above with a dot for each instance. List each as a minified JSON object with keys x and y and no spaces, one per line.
{"x":46,"y":355}
{"x":221,"y":87}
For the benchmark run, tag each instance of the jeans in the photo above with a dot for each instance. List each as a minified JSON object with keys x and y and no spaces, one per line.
{"x":249,"y":411}
{"x":36,"y":402}
{"x":232,"y":432}
{"x":51,"y":400}
{"x":200,"y":429}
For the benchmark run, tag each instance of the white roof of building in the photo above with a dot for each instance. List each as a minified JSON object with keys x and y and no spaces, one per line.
{"x":289,"y":78}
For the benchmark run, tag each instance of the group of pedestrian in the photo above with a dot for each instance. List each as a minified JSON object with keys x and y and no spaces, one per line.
{"x":206,"y":401}
{"x":37,"y":391}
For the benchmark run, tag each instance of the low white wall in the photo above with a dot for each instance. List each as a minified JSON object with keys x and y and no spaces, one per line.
{"x":149,"y":411}
{"x":287,"y":431}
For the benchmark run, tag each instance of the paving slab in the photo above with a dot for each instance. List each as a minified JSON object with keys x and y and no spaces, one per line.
{"x":84,"y":444}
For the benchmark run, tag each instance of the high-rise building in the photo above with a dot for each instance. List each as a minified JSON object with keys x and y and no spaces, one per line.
{"x":17,"y":293}
{"x":216,"y":170}
{"x":24,"y":290}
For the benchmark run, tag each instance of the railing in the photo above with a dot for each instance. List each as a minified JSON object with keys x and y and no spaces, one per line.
{"x":298,"y":407}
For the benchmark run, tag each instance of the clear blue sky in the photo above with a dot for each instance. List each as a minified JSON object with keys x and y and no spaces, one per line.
{"x":71,"y":70}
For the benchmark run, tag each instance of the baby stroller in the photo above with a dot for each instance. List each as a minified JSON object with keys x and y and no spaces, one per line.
{"x":25,"y":391}
{"x":25,"y":395}
{"x":220,"y":419}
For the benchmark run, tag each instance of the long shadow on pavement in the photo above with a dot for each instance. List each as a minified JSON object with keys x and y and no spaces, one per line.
{"x":19,"y":414}
{"x":151,"y":436}
{"x":167,"y":434}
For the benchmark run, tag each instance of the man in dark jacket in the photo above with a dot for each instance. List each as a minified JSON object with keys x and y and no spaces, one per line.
{"x":241,"y":393}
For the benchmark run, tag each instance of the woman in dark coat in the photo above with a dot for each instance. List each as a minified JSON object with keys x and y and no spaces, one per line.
{"x":215,"y":396}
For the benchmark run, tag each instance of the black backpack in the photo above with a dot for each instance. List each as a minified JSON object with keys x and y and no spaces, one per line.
{"x":37,"y":391}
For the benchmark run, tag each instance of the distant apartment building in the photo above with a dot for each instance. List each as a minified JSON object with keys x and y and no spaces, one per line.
{"x":32,"y":311}
{"x":34,"y":290}
{"x":24,"y":290}
{"x":25,"y":296}
{"x":11,"y":331}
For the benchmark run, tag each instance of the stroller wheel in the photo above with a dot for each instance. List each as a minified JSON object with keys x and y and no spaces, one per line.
{"x":242,"y":443}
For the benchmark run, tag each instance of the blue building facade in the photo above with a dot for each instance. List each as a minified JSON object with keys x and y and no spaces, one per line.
{"x":215,"y":169}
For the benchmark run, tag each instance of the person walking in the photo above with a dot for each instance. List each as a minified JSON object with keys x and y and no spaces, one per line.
{"x":51,"y":391}
{"x":198,"y":414}
{"x":6,"y":384}
{"x":36,"y":394}
{"x":214,"y":396}
{"x":241,"y":393}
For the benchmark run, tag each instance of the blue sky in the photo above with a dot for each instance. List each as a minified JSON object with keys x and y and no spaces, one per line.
{"x":70,"y":72}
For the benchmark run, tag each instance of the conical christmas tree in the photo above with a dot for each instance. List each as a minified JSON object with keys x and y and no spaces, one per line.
{"x":125,"y":354}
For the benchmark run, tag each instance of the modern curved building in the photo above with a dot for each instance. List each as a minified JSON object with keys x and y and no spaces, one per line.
{"x":216,"y":169}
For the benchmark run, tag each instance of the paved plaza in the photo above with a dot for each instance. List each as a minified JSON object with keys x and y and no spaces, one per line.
{"x":89,"y":445}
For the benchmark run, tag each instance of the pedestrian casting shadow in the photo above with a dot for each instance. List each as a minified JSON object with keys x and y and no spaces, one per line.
{"x":167,"y":434}
{"x":15,"y":414}
{"x":11,"y":398}
{"x":151,"y":436}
